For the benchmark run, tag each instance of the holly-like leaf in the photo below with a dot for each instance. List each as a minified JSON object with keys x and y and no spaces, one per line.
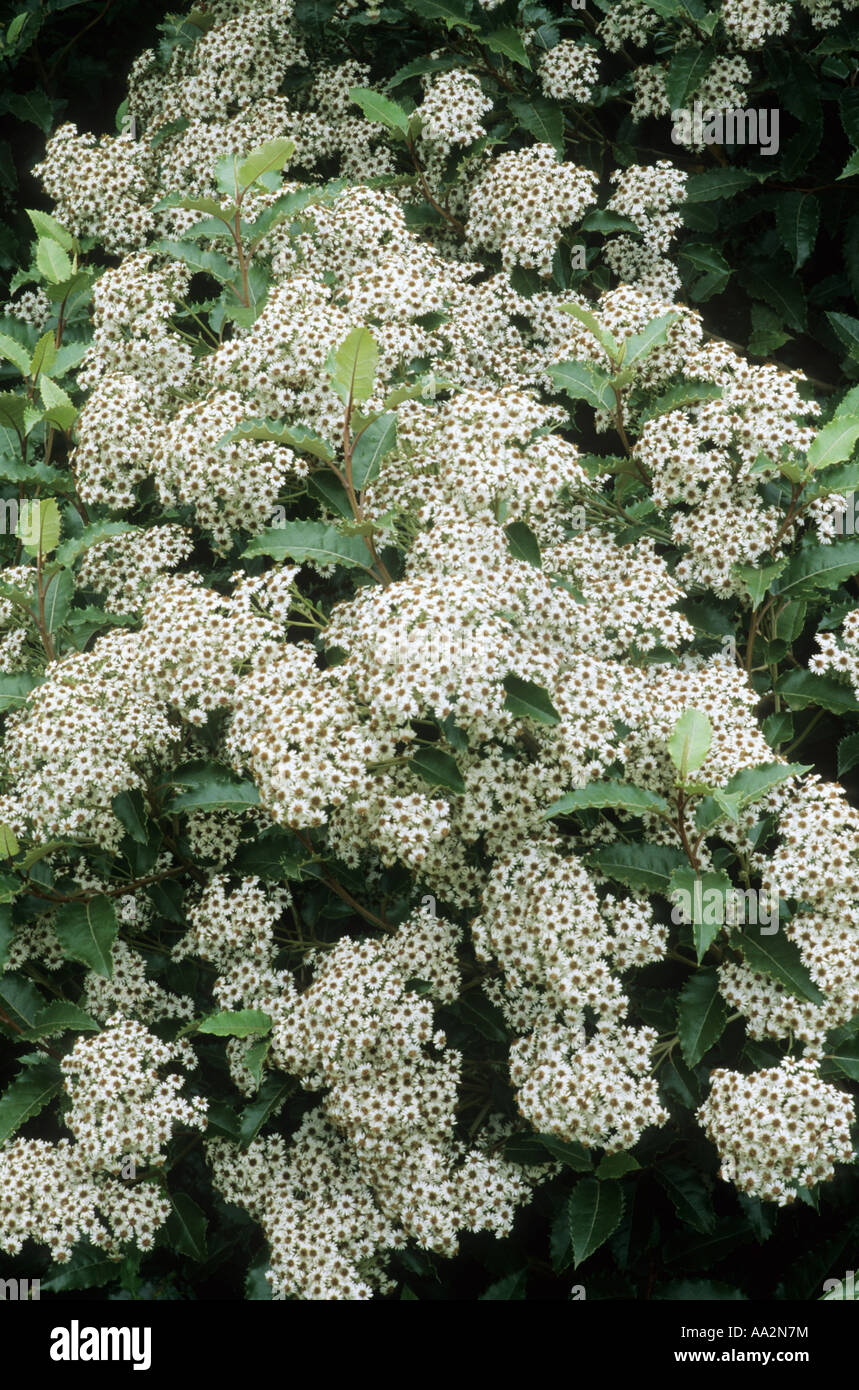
{"x":438,"y":768}
{"x":595,"y":1209}
{"x":690,"y":742}
{"x":239,"y":1023}
{"x":86,"y":931}
{"x":701,"y":1015}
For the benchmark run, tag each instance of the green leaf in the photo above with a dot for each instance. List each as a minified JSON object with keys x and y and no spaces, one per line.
{"x":687,"y":1191}
{"x":606,"y":340}
{"x":848,"y":754}
{"x":529,"y":701}
{"x":601,"y":795}
{"x":16,"y":354}
{"x":453,"y":12}
{"x":352,"y":367}
{"x":507,"y":42}
{"x":763,"y":281}
{"x":541,"y":118}
{"x":53,"y":261}
{"x":271,"y":1096}
{"x":802,"y":688}
{"x":61,"y":1015}
{"x":583,"y":381}
{"x":86,"y":931}
{"x":21,"y":1002}
{"x":844,"y":1058}
{"x":779,"y":958}
{"x":754,"y":782}
{"x":535,"y":1149}
{"x":240,"y":1023}
{"x":676,"y":397}
{"x":29,"y":1093}
{"x":380,"y":110}
{"x":91,"y":535}
{"x":130,"y":810}
{"x":57,"y":600}
{"x":185,"y":1227}
{"x":437,"y":768}
{"x":523,"y":544}
{"x":271,"y":156}
{"x":690,"y":742}
{"x":691,"y":890}
{"x":595,"y":1209}
{"x":213,"y":791}
{"x":60,"y":409}
{"x":639,"y":866}
{"x":833,"y":444}
{"x":509,"y":1289}
{"x":717,"y":183}
{"x":640,"y":345}
{"x":294,"y":436}
{"x":851,"y":168}
{"x":798,"y":219}
{"x":45,"y":225}
{"x":370,"y":448}
{"x":686,"y":72}
{"x":758,"y":582}
{"x":310,"y":540}
{"x":847,"y":330}
{"x":41,"y":526}
{"x":35,"y":107}
{"x":8,"y":843}
{"x":44,"y":354}
{"x":617,"y":1166}
{"x":701,"y":1015}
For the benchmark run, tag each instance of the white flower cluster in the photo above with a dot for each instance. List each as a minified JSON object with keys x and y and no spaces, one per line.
{"x":520,"y":206}
{"x":451,"y":112}
{"x":778,"y":1130}
{"x":569,"y":70}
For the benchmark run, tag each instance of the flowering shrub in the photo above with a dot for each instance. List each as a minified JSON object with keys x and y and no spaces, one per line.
{"x":402,"y":665}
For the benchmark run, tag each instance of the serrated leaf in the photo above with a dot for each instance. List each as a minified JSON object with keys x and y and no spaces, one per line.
{"x":690,"y":741}
{"x":29,"y":1093}
{"x":758,"y":582}
{"x":53,"y":261}
{"x":639,"y":866}
{"x":541,"y":118}
{"x":438,"y":768}
{"x":639,"y":345}
{"x":239,"y":1023}
{"x":310,"y":540}
{"x":751,"y":783}
{"x":523,"y":544}
{"x":271,"y":1096}
{"x":802,"y":688}
{"x":848,"y":754}
{"x":86,"y":931}
{"x":798,"y":220}
{"x":507,"y":42}
{"x":701,"y":1015}
{"x":266,"y":158}
{"x":380,"y":110}
{"x":617,"y":1166}
{"x":687,"y":1191}
{"x":690,"y":890}
{"x":529,"y":701}
{"x":13,"y":352}
{"x":60,"y":409}
{"x":185,"y":1227}
{"x":717,"y":183}
{"x":595,"y":1209}
{"x":676,"y":397}
{"x":583,"y":381}
{"x":779,"y":958}
{"x":602,"y":795}
{"x":61,"y":1015}
{"x":371,"y":447}
{"x":40,"y":526}
{"x":352,"y":367}
{"x":686,"y":72}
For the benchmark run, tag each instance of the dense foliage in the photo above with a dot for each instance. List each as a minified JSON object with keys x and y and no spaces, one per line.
{"x":429,"y":650}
